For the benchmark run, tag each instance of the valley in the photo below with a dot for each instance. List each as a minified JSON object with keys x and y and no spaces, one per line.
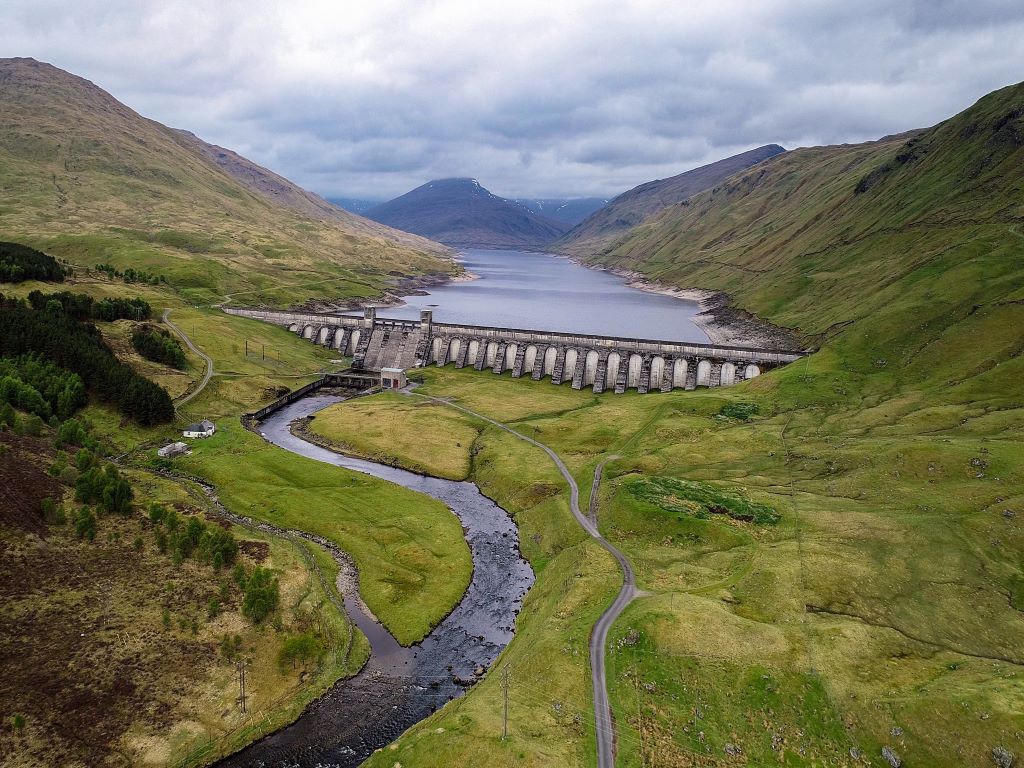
{"x":822,"y":557}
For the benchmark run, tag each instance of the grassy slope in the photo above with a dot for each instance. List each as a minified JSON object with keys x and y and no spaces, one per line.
{"x":419,"y":559}
{"x":414,"y":564}
{"x":607,"y":223}
{"x":87,"y":179}
{"x":882,"y":599}
{"x":176,"y":704}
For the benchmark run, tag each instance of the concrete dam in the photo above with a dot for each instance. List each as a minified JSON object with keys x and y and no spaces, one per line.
{"x":603,"y":363}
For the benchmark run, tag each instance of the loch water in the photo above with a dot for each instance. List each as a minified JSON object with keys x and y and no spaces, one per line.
{"x":540,"y":291}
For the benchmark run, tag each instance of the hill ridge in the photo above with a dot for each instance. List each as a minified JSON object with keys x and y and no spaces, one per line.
{"x":459,"y":211}
{"x":91,"y":180}
{"x":633,"y":206}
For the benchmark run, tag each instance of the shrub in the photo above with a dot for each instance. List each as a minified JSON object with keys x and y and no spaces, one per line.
{"x":85,"y":524}
{"x":300,"y":648}
{"x":53,"y":513}
{"x":701,"y":500}
{"x":261,"y":595}
{"x":741,"y":411}
{"x":156,"y":513}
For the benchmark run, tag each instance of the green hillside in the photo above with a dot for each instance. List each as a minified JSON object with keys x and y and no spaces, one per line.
{"x":85,"y":178}
{"x":902,"y":257}
{"x":609,"y":222}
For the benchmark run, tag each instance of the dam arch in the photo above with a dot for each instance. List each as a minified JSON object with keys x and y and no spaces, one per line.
{"x":704,"y":373}
{"x":634,"y":367}
{"x":550,"y":358}
{"x":584,"y":360}
{"x":612,"y":370}
{"x":510,"y":356}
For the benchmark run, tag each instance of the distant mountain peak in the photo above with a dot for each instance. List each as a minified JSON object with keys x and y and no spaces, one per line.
{"x":460,"y":211}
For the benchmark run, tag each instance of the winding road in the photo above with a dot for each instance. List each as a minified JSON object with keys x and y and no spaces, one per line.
{"x":629,"y":591}
{"x":188,"y":342}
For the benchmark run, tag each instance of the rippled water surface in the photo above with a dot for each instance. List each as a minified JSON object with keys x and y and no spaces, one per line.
{"x":518,"y":289}
{"x":400,"y":686}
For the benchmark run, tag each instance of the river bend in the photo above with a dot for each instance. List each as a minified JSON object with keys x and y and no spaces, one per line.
{"x":400,"y":686}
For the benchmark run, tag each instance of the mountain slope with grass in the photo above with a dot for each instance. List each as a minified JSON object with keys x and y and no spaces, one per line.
{"x":85,"y":178}
{"x":610,"y":221}
{"x":901,"y":257}
{"x":460,"y":212}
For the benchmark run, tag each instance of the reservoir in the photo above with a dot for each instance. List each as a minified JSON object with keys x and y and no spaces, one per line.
{"x":539,"y":291}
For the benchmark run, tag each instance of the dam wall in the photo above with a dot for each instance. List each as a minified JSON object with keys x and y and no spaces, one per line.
{"x":582,"y":360}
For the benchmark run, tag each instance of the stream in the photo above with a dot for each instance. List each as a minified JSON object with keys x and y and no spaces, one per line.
{"x":400,"y":686}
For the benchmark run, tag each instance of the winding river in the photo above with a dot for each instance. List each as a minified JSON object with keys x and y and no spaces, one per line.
{"x":400,"y":686}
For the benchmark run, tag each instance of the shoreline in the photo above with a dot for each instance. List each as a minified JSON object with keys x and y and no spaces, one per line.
{"x":722,"y":323}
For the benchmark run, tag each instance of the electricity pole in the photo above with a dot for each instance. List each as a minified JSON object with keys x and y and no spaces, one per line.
{"x":241,"y":684}
{"x":504,"y":719}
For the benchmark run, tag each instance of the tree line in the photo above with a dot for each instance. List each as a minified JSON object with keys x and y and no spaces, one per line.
{"x":78,"y":347}
{"x":158,"y":345}
{"x":35,"y":385}
{"x":83,"y":307}
{"x":131,"y":275}
{"x":19,"y":263}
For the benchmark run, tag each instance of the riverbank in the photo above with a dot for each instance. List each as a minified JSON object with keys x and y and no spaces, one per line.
{"x":416,"y":285}
{"x":401,"y":686}
{"x":723,"y":323}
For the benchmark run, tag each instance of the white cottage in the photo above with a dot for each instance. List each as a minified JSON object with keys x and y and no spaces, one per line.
{"x":204,"y":428}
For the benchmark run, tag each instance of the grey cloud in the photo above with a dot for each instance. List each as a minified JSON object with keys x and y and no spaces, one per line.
{"x":534,"y":98}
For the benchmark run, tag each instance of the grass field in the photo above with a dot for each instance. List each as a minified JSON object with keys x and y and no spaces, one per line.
{"x":401,"y":424}
{"x":878,"y":611}
{"x":413,"y":562}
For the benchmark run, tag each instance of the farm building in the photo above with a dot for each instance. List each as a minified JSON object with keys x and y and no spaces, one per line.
{"x":204,"y":428}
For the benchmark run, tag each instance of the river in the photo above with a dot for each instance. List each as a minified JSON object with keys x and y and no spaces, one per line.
{"x":520,"y":289}
{"x":400,"y":686}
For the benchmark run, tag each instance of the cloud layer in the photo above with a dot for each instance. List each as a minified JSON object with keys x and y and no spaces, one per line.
{"x":581,"y":97}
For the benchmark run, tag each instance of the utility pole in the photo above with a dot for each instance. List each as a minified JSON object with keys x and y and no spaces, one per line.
{"x":504,"y":719}
{"x":241,"y":684}
{"x":263,"y":347}
{"x":247,"y":348}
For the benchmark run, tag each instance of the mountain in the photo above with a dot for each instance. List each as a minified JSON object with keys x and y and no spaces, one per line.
{"x":901,"y":256}
{"x":569,"y":211}
{"x":356,"y":205}
{"x":460,"y":212}
{"x":88,"y":179}
{"x":630,"y":208}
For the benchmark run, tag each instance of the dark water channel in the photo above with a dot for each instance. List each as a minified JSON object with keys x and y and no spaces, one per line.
{"x":400,"y":686}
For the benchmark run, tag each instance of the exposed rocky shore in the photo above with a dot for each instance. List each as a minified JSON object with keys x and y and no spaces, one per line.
{"x":723,"y":323}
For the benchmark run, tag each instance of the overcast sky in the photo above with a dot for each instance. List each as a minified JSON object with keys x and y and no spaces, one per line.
{"x":369,"y":98}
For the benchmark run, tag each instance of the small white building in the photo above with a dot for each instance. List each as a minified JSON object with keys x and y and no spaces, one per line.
{"x":204,"y":428}
{"x":393,"y":378}
{"x":172,"y":450}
